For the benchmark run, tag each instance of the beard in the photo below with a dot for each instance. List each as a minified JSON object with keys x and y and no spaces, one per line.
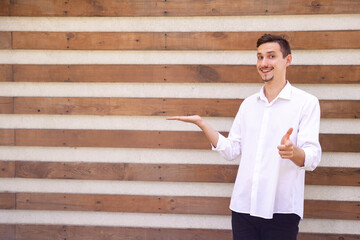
{"x":267,"y":80}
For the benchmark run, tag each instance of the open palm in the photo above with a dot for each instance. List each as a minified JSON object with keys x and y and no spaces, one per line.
{"x":190,"y":119}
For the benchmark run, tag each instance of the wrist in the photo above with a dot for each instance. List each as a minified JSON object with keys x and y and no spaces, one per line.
{"x":200,"y":122}
{"x":298,"y":157}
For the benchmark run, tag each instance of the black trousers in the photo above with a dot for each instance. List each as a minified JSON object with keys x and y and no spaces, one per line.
{"x":280,"y":227}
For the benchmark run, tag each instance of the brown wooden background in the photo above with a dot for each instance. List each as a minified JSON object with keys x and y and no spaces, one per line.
{"x":326,"y":75}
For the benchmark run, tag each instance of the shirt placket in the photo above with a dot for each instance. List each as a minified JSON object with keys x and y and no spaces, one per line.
{"x":258,"y":158}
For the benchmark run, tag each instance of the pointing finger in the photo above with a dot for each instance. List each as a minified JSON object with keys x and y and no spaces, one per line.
{"x":286,"y":138}
{"x":288,"y":133}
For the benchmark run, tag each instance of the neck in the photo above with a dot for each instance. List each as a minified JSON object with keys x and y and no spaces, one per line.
{"x":272,"y":90}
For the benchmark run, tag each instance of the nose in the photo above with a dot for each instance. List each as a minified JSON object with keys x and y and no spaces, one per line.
{"x":263,"y":62}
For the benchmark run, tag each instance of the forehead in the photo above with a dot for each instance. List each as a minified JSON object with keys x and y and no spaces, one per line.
{"x":269,"y":47}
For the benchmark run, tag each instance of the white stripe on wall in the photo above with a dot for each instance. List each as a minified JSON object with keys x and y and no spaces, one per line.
{"x":334,"y":193}
{"x":166,"y":90}
{"x":118,"y":187}
{"x":150,"y":156}
{"x":158,"y":220}
{"x":300,"y":57}
{"x":348,"y":126}
{"x":182,"y":24}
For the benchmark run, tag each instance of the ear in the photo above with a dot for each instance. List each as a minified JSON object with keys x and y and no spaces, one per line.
{"x":288,"y":60}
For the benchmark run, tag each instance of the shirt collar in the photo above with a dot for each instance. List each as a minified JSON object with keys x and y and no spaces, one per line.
{"x":284,"y":94}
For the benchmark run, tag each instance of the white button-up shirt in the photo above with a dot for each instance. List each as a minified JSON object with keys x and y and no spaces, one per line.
{"x":266,"y":183}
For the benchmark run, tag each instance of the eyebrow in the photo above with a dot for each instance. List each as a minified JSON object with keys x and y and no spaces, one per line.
{"x":266,"y":52}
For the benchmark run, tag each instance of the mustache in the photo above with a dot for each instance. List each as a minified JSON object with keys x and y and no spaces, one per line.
{"x":261,"y":68}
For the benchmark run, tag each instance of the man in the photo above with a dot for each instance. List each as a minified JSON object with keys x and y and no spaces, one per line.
{"x":276,"y":133}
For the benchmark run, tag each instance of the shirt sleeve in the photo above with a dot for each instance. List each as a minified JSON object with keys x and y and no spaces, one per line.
{"x":308,"y":135}
{"x":230,"y":147}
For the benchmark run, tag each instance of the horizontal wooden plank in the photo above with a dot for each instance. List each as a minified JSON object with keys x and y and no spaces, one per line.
{"x":333,"y":176}
{"x":148,"y":139}
{"x":7,"y":137}
{"x":340,"y":142}
{"x":332,"y":210}
{"x":6,"y":71}
{"x":89,"y":41}
{"x":44,"y":232}
{"x":135,"y":8}
{"x":154,"y":106}
{"x":5,"y":9}
{"x":5,"y":40}
{"x":111,"y":138}
{"x":246,"y":40}
{"x":340,"y":109}
{"x":6,"y":105}
{"x":7,"y":231}
{"x":7,"y":200}
{"x":7,"y":169}
{"x":123,"y":203}
{"x":127,"y":171}
{"x":168,"y":205}
{"x":127,"y":106}
{"x":324,"y":236}
{"x":167,"y":172}
{"x":319,"y":74}
{"x":178,"y":40}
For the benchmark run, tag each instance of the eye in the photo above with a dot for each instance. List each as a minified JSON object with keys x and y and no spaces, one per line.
{"x":271,"y":56}
{"x":260,"y":57}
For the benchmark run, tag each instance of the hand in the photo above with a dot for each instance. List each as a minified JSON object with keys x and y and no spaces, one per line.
{"x":210,"y":133}
{"x":196,"y":119}
{"x":286,"y":148}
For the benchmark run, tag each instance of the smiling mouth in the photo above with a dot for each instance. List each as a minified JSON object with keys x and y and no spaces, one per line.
{"x":266,"y":70}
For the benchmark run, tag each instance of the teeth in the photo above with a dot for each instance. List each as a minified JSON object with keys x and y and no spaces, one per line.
{"x":266,"y":71}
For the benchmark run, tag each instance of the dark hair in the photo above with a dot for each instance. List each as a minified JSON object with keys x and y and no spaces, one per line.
{"x":284,"y":44}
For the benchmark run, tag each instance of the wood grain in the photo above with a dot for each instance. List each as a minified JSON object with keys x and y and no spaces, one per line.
{"x":333,"y":176}
{"x":5,"y":9}
{"x":6,"y":72}
{"x":127,"y":171}
{"x":178,"y":40}
{"x":246,"y":40}
{"x":332,"y":209}
{"x":5,"y":40}
{"x":127,"y":106}
{"x":123,"y":203}
{"x":327,"y":236}
{"x":89,"y":40}
{"x":340,"y":109}
{"x":153,"y":106}
{"x":314,"y":74}
{"x":7,"y":200}
{"x":7,"y":231}
{"x":328,"y":176}
{"x":44,"y":232}
{"x":7,"y":169}
{"x":149,"y":139}
{"x":136,"y":8}
{"x":111,"y":138}
{"x":168,"y":205}
{"x":7,"y":137}
{"x":340,"y":142}
{"x":6,"y":105}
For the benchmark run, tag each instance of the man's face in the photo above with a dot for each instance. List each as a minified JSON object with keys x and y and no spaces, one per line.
{"x":270,"y":62}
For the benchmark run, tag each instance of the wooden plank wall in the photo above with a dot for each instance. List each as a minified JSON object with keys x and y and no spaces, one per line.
{"x":85,"y":86}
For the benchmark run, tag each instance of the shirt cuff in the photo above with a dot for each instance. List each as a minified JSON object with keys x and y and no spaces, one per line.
{"x":310,"y":162}
{"x":220,"y":143}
